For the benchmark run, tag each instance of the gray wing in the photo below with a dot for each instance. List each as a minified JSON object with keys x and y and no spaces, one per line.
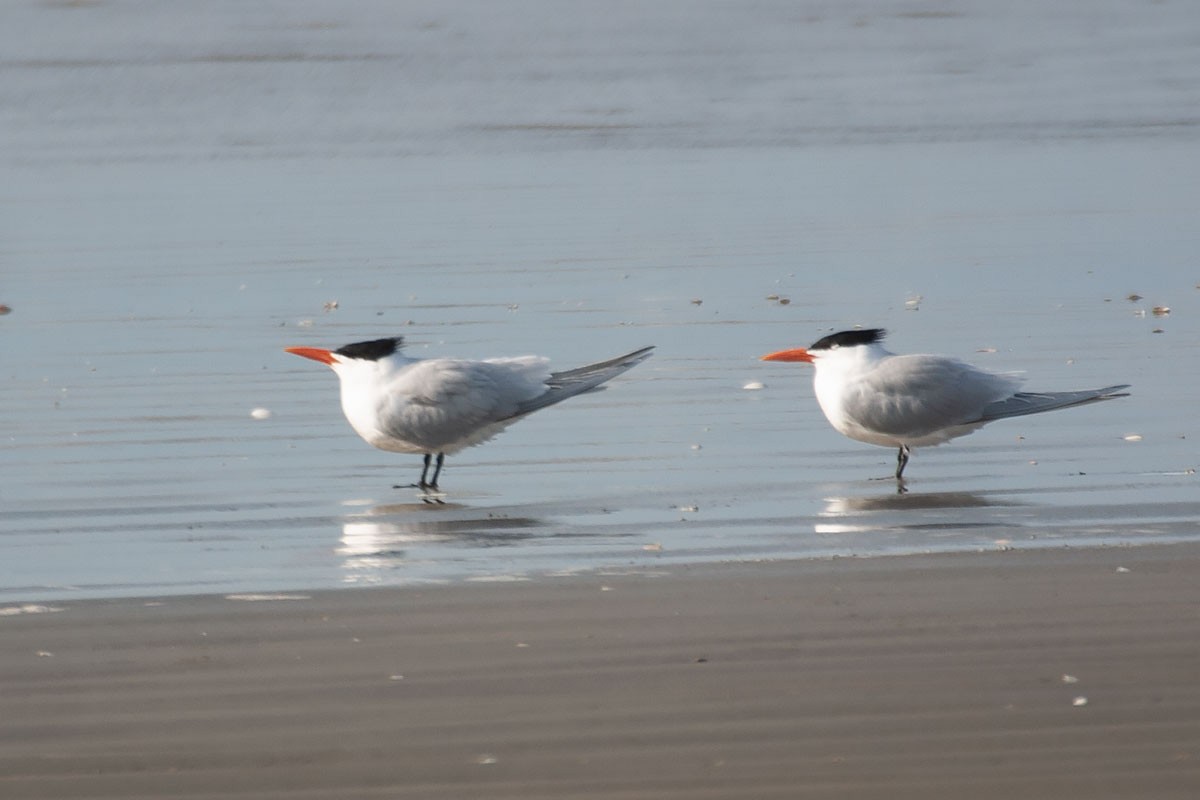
{"x":1023,"y":403}
{"x":561,"y":385}
{"x":436,"y":402}
{"x":914,"y":395}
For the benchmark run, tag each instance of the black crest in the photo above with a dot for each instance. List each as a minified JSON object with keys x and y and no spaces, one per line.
{"x":372,"y":350}
{"x":849,"y":339}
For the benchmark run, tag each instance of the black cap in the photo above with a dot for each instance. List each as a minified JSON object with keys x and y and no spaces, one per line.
{"x":849,"y":338}
{"x":372,"y":350}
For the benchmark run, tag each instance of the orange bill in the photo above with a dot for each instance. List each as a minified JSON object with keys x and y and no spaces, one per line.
{"x":799,"y":354}
{"x":315,"y":353}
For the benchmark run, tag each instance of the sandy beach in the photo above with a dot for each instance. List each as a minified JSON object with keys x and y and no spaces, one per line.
{"x":1062,"y":673}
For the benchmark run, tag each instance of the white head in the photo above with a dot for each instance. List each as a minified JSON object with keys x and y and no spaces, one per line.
{"x":355,"y":361}
{"x":363,"y":370}
{"x":841,"y":349}
{"x":361,"y":367}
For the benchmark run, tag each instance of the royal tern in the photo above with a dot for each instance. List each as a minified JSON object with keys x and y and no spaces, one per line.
{"x":442,"y":405}
{"x":906,"y":401}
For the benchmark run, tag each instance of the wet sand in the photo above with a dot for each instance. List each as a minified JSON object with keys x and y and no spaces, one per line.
{"x":1062,"y":673}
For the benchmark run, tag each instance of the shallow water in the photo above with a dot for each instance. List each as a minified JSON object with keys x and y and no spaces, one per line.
{"x":1000,"y":205}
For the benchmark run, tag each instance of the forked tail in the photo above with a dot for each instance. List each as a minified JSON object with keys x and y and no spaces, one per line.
{"x":561,"y":385}
{"x":1023,"y":403}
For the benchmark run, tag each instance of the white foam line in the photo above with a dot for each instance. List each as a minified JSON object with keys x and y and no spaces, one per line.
{"x":13,"y":611}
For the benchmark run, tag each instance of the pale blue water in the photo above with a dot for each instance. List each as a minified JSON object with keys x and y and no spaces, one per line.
{"x":182,"y":195}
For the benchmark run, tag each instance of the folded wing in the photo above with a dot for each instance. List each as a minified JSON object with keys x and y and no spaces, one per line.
{"x":916,"y":395}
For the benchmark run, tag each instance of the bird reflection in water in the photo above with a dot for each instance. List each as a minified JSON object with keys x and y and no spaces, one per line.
{"x":847,"y":509}
{"x":395,"y":536}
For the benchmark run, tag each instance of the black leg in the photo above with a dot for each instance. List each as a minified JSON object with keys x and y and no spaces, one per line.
{"x":422,"y":484}
{"x":441,"y":459}
{"x":425,"y":471}
{"x":901,"y":461}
